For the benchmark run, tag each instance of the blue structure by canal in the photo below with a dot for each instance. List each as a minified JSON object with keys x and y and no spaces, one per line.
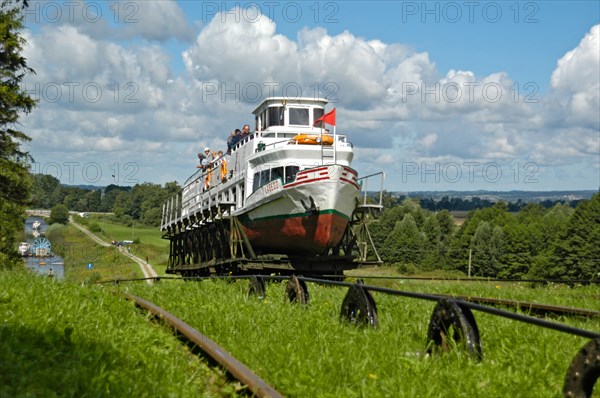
{"x":51,"y":265}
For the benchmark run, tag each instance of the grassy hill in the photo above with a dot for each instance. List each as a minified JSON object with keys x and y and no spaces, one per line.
{"x":59,"y":339}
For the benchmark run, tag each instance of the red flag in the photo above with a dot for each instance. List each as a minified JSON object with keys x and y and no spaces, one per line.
{"x":328,"y":118}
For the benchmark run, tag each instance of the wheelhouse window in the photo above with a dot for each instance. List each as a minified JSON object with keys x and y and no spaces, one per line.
{"x":276,"y":116}
{"x":264,"y":177}
{"x":317,"y":113}
{"x":261,"y":121}
{"x":299,"y":116}
{"x":277,"y":173}
{"x":290,"y":173}
{"x":256,"y":182}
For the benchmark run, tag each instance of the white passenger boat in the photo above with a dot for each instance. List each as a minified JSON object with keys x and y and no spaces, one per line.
{"x":290,"y":185}
{"x":24,"y":248}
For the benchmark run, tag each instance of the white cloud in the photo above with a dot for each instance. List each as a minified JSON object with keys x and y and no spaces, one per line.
{"x":158,"y":20}
{"x":247,"y":51}
{"x":241,"y":52}
{"x":577,"y":80}
{"x":392,"y":101}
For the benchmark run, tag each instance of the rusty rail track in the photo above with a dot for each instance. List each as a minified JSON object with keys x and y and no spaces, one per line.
{"x":236,"y":368}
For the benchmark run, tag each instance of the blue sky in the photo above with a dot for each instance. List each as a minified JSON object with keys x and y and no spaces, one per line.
{"x":526,"y":39}
{"x":150,"y":63}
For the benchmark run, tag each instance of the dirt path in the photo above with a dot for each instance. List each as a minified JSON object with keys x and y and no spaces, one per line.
{"x":146,"y":268}
{"x":88,"y":233}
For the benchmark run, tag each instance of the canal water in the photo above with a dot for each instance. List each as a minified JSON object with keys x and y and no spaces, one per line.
{"x":52,"y":265}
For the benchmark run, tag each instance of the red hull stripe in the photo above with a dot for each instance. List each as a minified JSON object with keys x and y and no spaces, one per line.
{"x":351,"y":171}
{"x":300,"y":215}
{"x":350,"y":182}
{"x":312,"y":170}
{"x":308,"y":171}
{"x":305,"y":182}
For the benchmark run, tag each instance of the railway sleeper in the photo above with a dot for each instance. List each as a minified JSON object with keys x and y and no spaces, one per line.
{"x":296,"y":291}
{"x":257,"y":287}
{"x":359,"y":306}
{"x":583,"y":372}
{"x":453,"y":325}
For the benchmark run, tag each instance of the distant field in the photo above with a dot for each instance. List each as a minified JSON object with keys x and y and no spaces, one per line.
{"x":151,"y":245}
{"x":78,"y":250}
{"x":146,"y":235}
{"x":459,"y":216}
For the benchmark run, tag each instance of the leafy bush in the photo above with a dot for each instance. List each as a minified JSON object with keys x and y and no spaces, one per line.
{"x":93,"y":278}
{"x":55,"y":234}
{"x":407,"y":268}
{"x":94,"y":227}
{"x":127,"y":220}
{"x":81,"y":220}
{"x":59,"y":214}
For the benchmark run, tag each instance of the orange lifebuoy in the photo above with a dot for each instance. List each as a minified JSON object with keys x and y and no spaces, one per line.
{"x":208,"y":177}
{"x":313,"y":139}
{"x":223,"y":170}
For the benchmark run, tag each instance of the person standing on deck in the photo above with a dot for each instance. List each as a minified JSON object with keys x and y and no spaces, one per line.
{"x":201,"y":161}
{"x":223,"y":166}
{"x":245,"y":130}
{"x":209,"y":157}
{"x":207,"y":167}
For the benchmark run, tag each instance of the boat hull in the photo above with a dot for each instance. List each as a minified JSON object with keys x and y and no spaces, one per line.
{"x":306,"y":217}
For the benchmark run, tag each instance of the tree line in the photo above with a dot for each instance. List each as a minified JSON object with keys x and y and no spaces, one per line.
{"x":141,"y":203}
{"x":455,"y":203}
{"x":535,"y":242}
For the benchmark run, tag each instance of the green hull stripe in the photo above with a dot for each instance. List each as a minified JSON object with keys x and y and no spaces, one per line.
{"x":245,"y":217}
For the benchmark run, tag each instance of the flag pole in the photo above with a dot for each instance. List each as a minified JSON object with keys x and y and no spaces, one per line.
{"x":334,"y":144}
{"x":321,"y":137}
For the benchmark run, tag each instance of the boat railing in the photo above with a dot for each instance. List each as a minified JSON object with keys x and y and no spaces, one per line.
{"x":201,"y":173}
{"x":200,"y":192}
{"x":171,"y":210}
{"x":377,"y":180}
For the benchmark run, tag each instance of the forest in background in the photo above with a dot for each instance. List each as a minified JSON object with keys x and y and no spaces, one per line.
{"x":141,"y":203}
{"x":504,"y":240}
{"x":535,"y":242}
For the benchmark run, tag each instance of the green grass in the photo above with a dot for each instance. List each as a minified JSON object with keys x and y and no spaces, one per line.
{"x":309,"y":352}
{"x":78,"y":250}
{"x":146,"y":235}
{"x":150,"y":244}
{"x":61,"y":340}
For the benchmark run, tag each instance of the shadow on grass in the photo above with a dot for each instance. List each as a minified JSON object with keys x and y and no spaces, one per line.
{"x":50,"y":364}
